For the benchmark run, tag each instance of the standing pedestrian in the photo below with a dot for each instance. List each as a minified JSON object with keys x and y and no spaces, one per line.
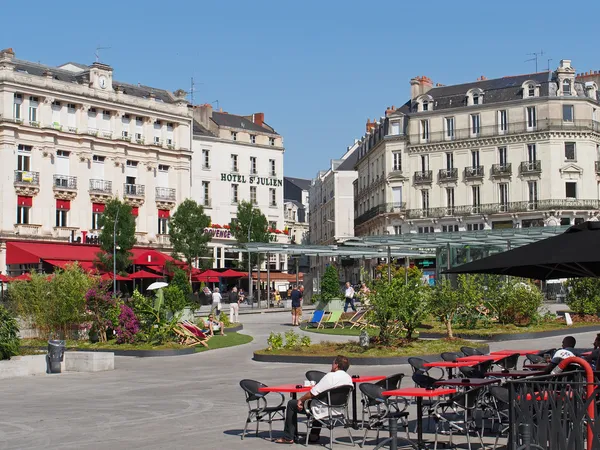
{"x":349,"y":294}
{"x":216,"y":302}
{"x":234,"y":305}
{"x":296,"y":296}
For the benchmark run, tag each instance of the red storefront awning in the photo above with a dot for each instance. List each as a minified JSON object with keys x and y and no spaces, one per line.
{"x":22,"y":200}
{"x":135,"y":211}
{"x":85,"y":265}
{"x":98,"y":207}
{"x":64,"y":205}
{"x":164,"y":213}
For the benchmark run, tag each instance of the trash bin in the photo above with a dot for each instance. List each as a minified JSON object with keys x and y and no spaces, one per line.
{"x":56,"y":355}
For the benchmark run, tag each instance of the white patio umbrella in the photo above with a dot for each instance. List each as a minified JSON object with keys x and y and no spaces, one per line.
{"x":157,"y":285}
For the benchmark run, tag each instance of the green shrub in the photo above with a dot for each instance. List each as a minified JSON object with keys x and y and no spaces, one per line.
{"x":181,"y":280}
{"x":292,"y":340}
{"x":584,"y":295}
{"x":275,"y":341}
{"x":305,"y":341}
{"x":330,"y":284}
{"x":518,"y":303}
{"x":9,"y":335}
{"x":175,"y":299}
{"x":225,"y":319}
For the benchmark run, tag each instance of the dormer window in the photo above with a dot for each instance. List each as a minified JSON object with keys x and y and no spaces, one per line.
{"x":566,"y":87}
{"x":591,"y":90}
{"x":474,"y":97}
{"x":530,"y":89}
{"x":425,"y":106}
{"x":425,"y":103}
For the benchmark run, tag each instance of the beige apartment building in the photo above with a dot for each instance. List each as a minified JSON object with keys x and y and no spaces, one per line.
{"x":518,"y":151}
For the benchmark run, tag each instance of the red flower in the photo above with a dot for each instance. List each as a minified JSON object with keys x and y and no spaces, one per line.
{"x":216,"y":225}
{"x":278,"y":231}
{"x":286,"y":231}
{"x":227,"y":227}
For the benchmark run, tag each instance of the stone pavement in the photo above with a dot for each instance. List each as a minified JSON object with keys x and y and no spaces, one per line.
{"x":164,"y":403}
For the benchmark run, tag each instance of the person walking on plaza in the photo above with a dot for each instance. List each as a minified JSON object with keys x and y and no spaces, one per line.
{"x":338,"y":377}
{"x":296,"y":296}
{"x":234,"y":305}
{"x":216,"y":302}
{"x":349,"y":294}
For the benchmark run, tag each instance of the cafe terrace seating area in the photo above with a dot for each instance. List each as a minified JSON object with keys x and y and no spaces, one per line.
{"x":504,"y":399}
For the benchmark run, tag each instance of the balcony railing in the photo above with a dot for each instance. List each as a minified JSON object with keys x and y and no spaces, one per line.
{"x":501,"y":170}
{"x":424,"y":176}
{"x":165,"y":194}
{"x":65,"y":182}
{"x":597,"y":166}
{"x":448,"y":174}
{"x":511,"y":128}
{"x":385,"y":208}
{"x":474,"y":172}
{"x":102,"y":186}
{"x":27,"y":178}
{"x":134,"y":190}
{"x":531,"y":167}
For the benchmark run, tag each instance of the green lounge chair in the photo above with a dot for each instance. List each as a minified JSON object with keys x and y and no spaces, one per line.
{"x":333,"y":317}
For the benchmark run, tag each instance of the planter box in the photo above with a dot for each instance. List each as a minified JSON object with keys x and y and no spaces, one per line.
{"x":334,"y":304}
{"x":89,"y":361}
{"x":22,"y":366}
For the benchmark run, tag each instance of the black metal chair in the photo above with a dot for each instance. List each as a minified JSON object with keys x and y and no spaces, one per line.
{"x":451,"y":356}
{"x":260,"y":411}
{"x":476,"y":371}
{"x":314,"y":375}
{"x":379,"y":409}
{"x":417,"y":366}
{"x":336,"y":402}
{"x":392,"y":382}
{"x":509,"y":362}
{"x":535,"y":359}
{"x":470,"y":351}
{"x":426,"y":382}
{"x":500,"y":402}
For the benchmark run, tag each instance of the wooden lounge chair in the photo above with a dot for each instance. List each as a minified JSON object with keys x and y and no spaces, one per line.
{"x":184,"y":337}
{"x":359,"y":319}
{"x":317,"y":318}
{"x":196,"y":333}
{"x":333,"y":318}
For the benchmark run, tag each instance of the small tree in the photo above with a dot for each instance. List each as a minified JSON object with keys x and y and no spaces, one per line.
{"x":9,"y":335}
{"x":117,"y":210}
{"x":180,"y":279}
{"x":186,"y":232}
{"x":583,"y":295}
{"x":250,"y":221}
{"x":175,"y":300}
{"x":445,"y":304}
{"x":519,"y":302}
{"x":330,"y":284}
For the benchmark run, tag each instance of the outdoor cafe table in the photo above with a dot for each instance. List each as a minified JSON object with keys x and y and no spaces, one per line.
{"x":536,"y":366}
{"x":480,"y":358}
{"x":449,"y":365}
{"x":419,"y":393}
{"x":361,"y":379}
{"x":515,"y":373}
{"x":512,"y":352}
{"x":292,"y":389}
{"x":467,"y":382}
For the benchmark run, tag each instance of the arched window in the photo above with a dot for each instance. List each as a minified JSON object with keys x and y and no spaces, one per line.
{"x":475,"y":97}
{"x":531,"y":90}
{"x":566,"y":87}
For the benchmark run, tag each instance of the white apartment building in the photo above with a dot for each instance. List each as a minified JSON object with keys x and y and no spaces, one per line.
{"x":237,"y":158}
{"x":73,"y":137}
{"x":517,"y":151}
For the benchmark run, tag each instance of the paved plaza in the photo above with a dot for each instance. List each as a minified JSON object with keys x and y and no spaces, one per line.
{"x":165,"y":403}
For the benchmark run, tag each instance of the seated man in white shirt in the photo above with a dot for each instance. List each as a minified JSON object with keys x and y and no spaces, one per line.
{"x":567,"y":351}
{"x":338,"y":377}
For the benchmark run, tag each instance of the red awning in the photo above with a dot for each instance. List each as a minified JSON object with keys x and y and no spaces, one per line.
{"x":230,"y":273}
{"x":109,"y":276}
{"x":142,"y":274}
{"x":205,"y":279}
{"x":164,"y":213}
{"x":22,"y":277}
{"x":85,"y":265}
{"x":98,"y":207}
{"x":4,"y":278}
{"x":278,"y":276}
{"x":135,"y":211}
{"x":65,"y":205}
{"x":24,"y":201}
{"x":150,"y":258}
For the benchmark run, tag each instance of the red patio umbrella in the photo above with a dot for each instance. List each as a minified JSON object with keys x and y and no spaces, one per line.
{"x":22,"y":277}
{"x":230,"y":273}
{"x":142,"y":274}
{"x":211,"y":273}
{"x":109,"y":276}
{"x":204,"y":279}
{"x":4,"y":278}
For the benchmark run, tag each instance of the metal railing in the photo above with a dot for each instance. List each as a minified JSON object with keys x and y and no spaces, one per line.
{"x":424,"y":176}
{"x":510,"y":128}
{"x":27,"y":177}
{"x":528,"y":167}
{"x":134,"y":190}
{"x":448,"y":174}
{"x":474,"y":172}
{"x":501,"y":170}
{"x":165,"y":193}
{"x":65,"y":182}
{"x":385,"y":208}
{"x":103,"y":186}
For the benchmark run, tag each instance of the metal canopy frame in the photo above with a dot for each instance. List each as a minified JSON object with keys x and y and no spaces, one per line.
{"x":343,"y":250}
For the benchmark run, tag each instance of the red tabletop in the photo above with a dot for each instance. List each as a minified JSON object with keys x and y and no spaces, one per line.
{"x":535,"y":366}
{"x":481,"y":358}
{"x":473,"y":382}
{"x":368,"y":378}
{"x":512,"y":352}
{"x":418,"y":392}
{"x":515,"y":373}
{"x":586,"y":354}
{"x":448,"y":364}
{"x":291,"y":388}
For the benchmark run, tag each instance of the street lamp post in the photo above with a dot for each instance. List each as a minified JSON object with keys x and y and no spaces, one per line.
{"x":250,"y":261}
{"x":115,"y":251}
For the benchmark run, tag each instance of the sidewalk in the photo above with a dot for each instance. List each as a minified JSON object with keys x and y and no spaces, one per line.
{"x":247,"y":309}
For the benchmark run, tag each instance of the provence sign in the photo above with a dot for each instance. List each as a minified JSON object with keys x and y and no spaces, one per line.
{"x":218,"y":233}
{"x":263,"y":181}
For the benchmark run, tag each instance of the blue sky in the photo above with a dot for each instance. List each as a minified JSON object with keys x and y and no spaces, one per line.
{"x":317,"y":69}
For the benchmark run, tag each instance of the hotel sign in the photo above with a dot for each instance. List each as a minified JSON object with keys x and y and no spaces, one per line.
{"x":254,"y":180}
{"x":218,"y":233}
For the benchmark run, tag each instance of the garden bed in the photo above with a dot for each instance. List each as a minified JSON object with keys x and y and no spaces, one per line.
{"x":374,"y":355}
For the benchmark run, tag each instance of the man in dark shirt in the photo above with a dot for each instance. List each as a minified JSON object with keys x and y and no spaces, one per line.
{"x":296,"y":305}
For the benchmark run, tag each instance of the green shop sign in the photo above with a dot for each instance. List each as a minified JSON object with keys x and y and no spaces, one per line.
{"x":263,"y":181}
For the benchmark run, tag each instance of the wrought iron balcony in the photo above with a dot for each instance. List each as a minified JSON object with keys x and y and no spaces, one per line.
{"x":448,"y":174}
{"x":385,"y":208}
{"x":102,"y":186}
{"x":531,"y":167}
{"x":423,"y":177}
{"x":474,"y":172}
{"x":134,"y":190}
{"x":27,"y":178}
{"x":165,"y":194}
{"x":65,"y":182}
{"x":501,"y":170}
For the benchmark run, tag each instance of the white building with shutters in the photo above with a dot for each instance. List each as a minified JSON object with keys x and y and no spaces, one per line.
{"x":72,"y":137}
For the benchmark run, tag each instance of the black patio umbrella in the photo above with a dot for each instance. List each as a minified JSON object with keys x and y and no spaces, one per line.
{"x":574,"y":253}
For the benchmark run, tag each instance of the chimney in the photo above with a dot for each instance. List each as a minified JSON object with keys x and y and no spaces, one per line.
{"x":203,"y":114}
{"x":415,"y":88}
{"x":426,"y":84}
{"x":370,"y":125}
{"x":258,"y":119}
{"x":390,"y":110}
{"x":7,"y":53}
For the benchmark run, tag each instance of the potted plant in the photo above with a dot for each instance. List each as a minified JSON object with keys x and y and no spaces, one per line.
{"x":330,"y":297}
